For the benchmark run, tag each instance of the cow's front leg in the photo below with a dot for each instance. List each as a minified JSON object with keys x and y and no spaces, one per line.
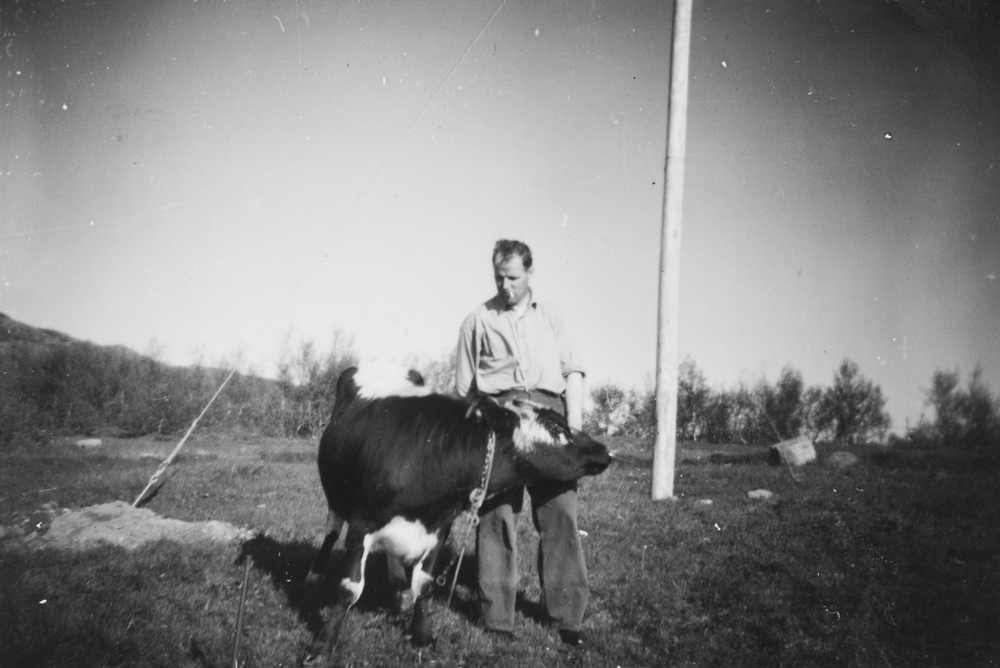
{"x":421,"y":587}
{"x":349,"y":591}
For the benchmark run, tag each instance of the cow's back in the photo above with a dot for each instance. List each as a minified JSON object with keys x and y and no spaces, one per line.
{"x":393,"y":456}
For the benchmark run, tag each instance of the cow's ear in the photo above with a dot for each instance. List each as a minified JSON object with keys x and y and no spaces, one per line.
{"x":416,"y":378}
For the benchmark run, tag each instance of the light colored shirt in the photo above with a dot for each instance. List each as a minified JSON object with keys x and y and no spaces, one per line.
{"x":502,"y":349}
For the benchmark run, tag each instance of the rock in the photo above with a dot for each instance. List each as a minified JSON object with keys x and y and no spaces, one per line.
{"x":796,"y":451}
{"x":120,"y":524}
{"x":760,"y":494}
{"x":841,"y":459}
{"x":89,"y":443}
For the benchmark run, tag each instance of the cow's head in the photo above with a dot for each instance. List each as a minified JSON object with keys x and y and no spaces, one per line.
{"x":542,"y":444}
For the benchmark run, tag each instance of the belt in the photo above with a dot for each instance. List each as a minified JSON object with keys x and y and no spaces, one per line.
{"x":544,"y":397}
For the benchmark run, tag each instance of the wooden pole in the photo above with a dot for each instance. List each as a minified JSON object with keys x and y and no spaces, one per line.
{"x":664,"y":451}
{"x":155,"y":479}
{"x":239,"y":612}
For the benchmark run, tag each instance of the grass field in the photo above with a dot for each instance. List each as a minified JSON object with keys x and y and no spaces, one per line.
{"x":892,"y":562}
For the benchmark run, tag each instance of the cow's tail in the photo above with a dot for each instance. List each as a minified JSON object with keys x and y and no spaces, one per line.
{"x":347,"y":387}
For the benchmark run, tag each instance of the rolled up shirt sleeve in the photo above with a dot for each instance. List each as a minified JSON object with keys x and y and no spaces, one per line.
{"x":569,"y":360}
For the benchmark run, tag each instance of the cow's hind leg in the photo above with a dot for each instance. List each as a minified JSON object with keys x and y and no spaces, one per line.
{"x":349,"y":591}
{"x":421,"y":586}
{"x":334,"y":540}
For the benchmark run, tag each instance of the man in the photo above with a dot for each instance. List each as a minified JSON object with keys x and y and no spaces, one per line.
{"x":512,"y":346}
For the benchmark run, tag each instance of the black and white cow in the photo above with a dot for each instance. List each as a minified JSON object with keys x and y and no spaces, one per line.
{"x":398,"y":465}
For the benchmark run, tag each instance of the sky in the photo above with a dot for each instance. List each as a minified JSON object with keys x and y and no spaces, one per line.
{"x":220,"y":181}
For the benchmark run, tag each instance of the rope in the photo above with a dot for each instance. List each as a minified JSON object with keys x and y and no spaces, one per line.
{"x":155,"y":479}
{"x":476,"y":499}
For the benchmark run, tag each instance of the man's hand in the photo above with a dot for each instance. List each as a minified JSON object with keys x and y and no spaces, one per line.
{"x":574,"y":400}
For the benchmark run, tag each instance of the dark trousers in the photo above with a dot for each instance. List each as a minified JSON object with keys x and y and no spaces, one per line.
{"x":561,"y":569}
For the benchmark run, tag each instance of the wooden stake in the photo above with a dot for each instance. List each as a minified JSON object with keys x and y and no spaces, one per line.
{"x":664,"y":451}
{"x":239,"y":612}
{"x":155,"y":479}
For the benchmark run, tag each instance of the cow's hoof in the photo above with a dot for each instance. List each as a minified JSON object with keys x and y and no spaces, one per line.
{"x":322,"y":660}
{"x":422,"y":638}
{"x":571,"y":638}
{"x":404,"y":601}
{"x":313,"y":660}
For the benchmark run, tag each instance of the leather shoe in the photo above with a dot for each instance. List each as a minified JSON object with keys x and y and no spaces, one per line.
{"x":571,"y":638}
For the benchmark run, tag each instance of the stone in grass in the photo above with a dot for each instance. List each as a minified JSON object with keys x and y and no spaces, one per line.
{"x":796,"y":451}
{"x":118,"y":523}
{"x":841,"y":459}
{"x":760,"y":494}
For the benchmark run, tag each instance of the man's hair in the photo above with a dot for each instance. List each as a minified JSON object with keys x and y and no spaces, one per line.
{"x":504,"y":249}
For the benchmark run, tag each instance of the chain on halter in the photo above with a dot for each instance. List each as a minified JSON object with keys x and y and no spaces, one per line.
{"x":469,"y":519}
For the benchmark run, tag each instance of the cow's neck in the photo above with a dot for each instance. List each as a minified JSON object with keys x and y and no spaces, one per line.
{"x":504,"y":475}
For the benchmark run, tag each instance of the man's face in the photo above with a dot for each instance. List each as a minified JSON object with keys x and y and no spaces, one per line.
{"x":512,"y":280}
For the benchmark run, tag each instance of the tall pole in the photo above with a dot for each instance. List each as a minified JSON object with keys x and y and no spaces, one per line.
{"x":665,"y":448}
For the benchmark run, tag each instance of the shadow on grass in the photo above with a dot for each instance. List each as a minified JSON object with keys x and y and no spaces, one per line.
{"x":768,"y":456}
{"x":288,"y":563}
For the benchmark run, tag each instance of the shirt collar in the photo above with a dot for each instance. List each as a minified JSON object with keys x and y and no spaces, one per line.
{"x":496,"y":304}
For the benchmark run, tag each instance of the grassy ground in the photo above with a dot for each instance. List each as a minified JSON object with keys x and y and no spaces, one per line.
{"x":893,"y":562}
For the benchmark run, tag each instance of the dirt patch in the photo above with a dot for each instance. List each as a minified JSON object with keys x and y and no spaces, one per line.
{"x":118,"y":523}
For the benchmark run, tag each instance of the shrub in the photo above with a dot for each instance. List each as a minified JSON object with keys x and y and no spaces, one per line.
{"x":964,"y":417}
{"x":812,"y":411}
{"x":308,"y":381}
{"x":748,"y":424}
{"x":693,"y":399}
{"x":853,"y":409}
{"x":609,"y":412}
{"x":439,"y":374}
{"x":71,"y":386}
{"x":623,"y":413}
{"x":781,"y":404}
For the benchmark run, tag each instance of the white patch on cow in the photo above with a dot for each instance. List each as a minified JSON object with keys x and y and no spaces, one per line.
{"x":420,"y":578}
{"x":381,"y":378}
{"x":530,"y":433}
{"x":408,"y":539}
{"x":354,"y":587}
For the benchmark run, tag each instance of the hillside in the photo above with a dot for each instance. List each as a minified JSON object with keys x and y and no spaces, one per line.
{"x":53,"y":383}
{"x":13,"y":330}
{"x":16,"y":332}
